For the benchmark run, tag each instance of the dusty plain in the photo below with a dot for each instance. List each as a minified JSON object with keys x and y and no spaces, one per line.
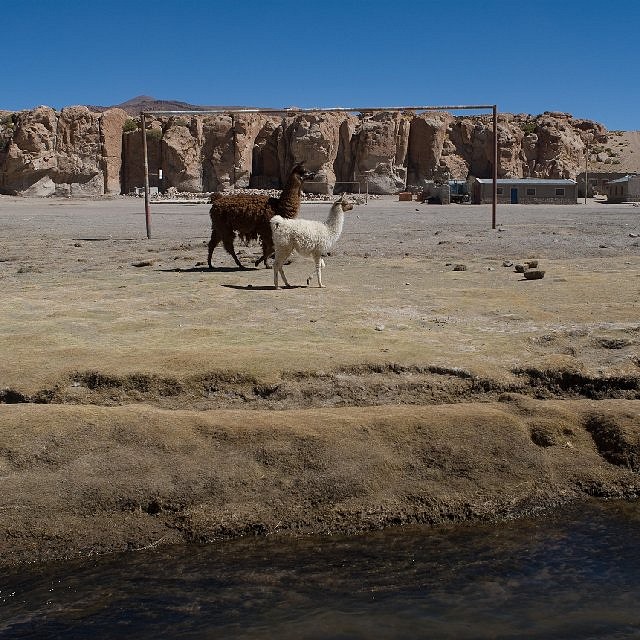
{"x":146,"y":400}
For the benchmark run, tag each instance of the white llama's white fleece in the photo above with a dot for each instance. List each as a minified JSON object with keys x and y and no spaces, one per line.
{"x":307,"y":237}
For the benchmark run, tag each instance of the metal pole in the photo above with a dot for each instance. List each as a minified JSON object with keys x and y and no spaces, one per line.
{"x":495,"y":167}
{"x":147,"y":211}
{"x":233,"y":130}
{"x":586,"y":173}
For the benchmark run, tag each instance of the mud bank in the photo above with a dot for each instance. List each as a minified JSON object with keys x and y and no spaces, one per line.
{"x":81,"y":480}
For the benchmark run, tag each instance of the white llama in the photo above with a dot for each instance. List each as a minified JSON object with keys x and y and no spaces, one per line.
{"x":307,"y":237}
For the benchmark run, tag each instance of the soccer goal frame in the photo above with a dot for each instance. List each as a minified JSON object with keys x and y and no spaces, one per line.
{"x":295,"y":111}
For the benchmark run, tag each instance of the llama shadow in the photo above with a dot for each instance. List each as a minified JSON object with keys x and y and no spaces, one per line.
{"x":251,"y":287}
{"x":205,"y":269}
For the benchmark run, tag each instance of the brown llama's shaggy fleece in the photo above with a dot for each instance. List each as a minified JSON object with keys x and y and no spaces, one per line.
{"x":248,"y":216}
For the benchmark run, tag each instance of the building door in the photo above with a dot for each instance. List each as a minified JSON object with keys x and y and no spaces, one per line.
{"x":514,"y":195}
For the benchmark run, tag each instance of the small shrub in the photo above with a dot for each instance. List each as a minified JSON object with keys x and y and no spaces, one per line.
{"x":7,"y":120}
{"x":130,"y":125}
{"x":528,"y":127}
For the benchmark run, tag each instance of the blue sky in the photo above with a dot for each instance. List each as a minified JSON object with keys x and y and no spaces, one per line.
{"x":526,"y":57}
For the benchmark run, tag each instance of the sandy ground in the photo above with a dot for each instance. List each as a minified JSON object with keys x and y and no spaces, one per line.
{"x":147,"y":400}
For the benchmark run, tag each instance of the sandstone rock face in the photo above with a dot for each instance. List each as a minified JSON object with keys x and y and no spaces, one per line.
{"x":133,"y":157}
{"x":78,"y":152}
{"x":380,"y":151}
{"x":314,"y":139}
{"x":427,"y":135}
{"x":111,"y":127}
{"x":30,"y":154}
{"x":66,"y":154}
{"x":252,"y":130}
{"x":180,"y":154}
{"x":265,"y":163}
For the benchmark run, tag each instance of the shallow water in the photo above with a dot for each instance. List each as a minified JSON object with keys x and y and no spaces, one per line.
{"x":575,"y":574}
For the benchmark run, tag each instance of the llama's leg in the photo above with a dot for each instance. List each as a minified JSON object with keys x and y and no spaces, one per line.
{"x":280,"y":259}
{"x":319,"y":265}
{"x":213,"y":243}
{"x":267,"y":252}
{"x":227,"y":243}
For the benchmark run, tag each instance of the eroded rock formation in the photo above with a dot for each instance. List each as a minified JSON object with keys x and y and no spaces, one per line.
{"x":78,"y":152}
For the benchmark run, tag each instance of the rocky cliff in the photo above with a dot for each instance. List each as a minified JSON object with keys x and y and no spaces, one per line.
{"x":80,"y":152}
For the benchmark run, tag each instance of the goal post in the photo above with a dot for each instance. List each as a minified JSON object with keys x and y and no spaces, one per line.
{"x":294,"y":111}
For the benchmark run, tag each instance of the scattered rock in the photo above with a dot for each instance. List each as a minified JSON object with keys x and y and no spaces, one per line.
{"x":507,"y":263}
{"x":634,"y":235}
{"x":519,"y":268}
{"x":379,"y":327}
{"x":460,"y":267}
{"x":534,"y":274}
{"x":531,"y":264}
{"x":142,"y":263}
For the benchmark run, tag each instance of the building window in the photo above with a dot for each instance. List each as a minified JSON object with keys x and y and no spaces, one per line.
{"x":531,"y":191}
{"x":499,"y":191}
{"x":560,"y":191}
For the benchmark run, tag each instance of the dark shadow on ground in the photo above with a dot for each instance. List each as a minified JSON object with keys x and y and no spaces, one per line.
{"x":250,"y":287}
{"x":205,"y":269}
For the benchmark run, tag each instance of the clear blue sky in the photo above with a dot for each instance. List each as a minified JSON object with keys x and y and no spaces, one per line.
{"x":582,"y":57}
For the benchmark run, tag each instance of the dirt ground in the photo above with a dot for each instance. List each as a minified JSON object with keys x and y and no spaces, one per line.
{"x":146,"y":400}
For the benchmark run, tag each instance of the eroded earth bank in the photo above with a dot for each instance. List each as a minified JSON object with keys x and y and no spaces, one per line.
{"x":145,"y":400}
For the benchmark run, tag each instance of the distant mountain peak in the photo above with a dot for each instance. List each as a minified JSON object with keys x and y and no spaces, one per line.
{"x":140,"y":103}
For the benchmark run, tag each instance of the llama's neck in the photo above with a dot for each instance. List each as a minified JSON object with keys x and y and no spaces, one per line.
{"x":335,"y":221}
{"x":289,"y":201}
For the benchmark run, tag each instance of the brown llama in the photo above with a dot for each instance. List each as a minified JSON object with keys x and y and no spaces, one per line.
{"x":248,"y":216}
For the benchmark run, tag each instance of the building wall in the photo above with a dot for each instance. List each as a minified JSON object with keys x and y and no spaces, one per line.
{"x":624,"y":191}
{"x":597,"y":182}
{"x":544,"y":194}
